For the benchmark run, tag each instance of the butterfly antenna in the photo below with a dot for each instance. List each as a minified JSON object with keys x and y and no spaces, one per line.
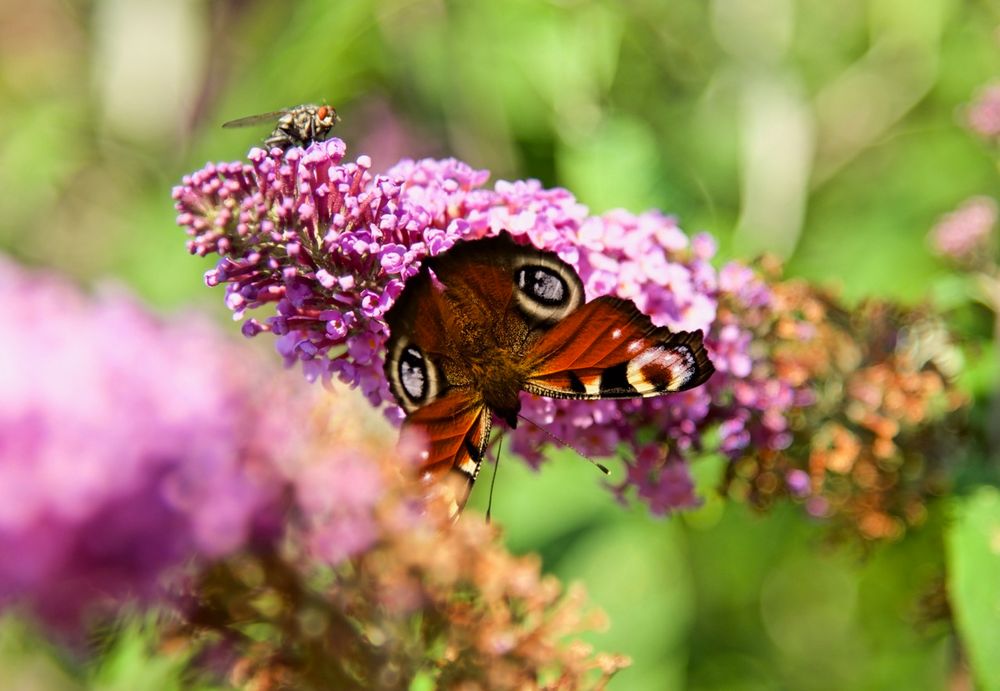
{"x":493,"y":482}
{"x":562,"y":442}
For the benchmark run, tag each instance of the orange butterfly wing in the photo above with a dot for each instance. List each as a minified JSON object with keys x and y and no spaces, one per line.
{"x":454,"y":428}
{"x":457,"y":429}
{"x":450,"y":415}
{"x":607,"y":348}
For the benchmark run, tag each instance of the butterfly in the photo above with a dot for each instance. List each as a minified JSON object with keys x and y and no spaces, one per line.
{"x":489,"y":319}
{"x":297,"y":126}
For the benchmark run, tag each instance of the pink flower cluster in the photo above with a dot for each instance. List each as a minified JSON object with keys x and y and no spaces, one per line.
{"x":983,"y":114}
{"x":330,"y":245}
{"x":966,"y":230}
{"x":130,"y":445}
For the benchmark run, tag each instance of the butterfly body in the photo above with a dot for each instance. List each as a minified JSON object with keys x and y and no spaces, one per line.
{"x":489,"y":319}
{"x":482,"y":351}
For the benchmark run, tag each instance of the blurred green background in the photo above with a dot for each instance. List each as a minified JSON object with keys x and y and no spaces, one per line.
{"x":828,"y":133}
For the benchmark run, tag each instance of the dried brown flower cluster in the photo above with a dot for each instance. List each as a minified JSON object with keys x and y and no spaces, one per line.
{"x":429,"y":599}
{"x":870,"y":450}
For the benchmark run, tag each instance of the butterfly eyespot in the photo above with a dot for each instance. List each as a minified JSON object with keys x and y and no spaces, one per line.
{"x":543,"y":285}
{"x":414,"y":379}
{"x":547,"y":291}
{"x":491,"y":317}
{"x":413,"y":374}
{"x":662,"y":368}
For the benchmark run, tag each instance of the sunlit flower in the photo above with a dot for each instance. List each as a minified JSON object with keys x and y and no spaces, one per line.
{"x":334,"y":263}
{"x":330,"y":245}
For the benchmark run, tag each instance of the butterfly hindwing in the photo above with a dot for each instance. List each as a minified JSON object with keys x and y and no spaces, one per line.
{"x":609,"y":349}
{"x":419,"y":325}
{"x":456,"y":428}
{"x":445,"y":410}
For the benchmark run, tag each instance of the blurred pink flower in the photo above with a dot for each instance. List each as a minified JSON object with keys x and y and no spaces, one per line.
{"x":130,"y":445}
{"x":983,"y":114}
{"x":960,"y":233}
{"x":152,"y":462}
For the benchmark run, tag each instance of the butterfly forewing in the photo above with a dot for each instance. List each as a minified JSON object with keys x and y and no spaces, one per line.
{"x":609,"y":349}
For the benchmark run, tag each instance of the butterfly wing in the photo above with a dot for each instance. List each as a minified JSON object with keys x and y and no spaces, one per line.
{"x":439,"y":402}
{"x":607,"y":348}
{"x":456,"y":427}
{"x":490,"y":281}
{"x":461,"y":315}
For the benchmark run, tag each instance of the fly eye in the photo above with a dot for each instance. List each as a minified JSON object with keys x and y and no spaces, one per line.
{"x":322,"y":112}
{"x":543,"y":285}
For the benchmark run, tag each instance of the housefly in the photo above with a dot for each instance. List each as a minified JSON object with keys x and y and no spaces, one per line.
{"x":298,"y":126}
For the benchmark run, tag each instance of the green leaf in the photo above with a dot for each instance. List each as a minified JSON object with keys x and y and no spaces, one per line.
{"x":135,"y":660}
{"x":974,"y":582}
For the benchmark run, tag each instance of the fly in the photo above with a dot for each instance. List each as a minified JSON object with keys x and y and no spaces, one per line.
{"x":298,"y":126}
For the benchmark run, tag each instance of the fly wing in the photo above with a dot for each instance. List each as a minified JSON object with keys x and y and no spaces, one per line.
{"x":251,"y":120}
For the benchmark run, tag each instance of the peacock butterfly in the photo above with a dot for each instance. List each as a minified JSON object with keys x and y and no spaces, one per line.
{"x":490,"y":318}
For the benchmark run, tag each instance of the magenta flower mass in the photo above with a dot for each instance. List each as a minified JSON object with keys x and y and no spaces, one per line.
{"x":134,"y":446}
{"x":129,"y":446}
{"x":331,"y":244}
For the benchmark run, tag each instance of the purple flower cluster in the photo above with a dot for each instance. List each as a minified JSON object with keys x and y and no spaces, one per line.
{"x":331,"y":245}
{"x":127,"y":446}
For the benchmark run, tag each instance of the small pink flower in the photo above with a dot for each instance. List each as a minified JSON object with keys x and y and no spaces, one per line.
{"x":960,"y":233}
{"x":983,"y":114}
